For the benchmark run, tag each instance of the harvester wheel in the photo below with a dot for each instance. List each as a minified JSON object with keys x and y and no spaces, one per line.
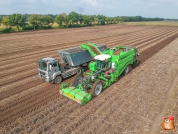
{"x":96,"y":88}
{"x":58,"y":80}
{"x":126,"y":71}
{"x":135,"y":64}
{"x":77,"y":79}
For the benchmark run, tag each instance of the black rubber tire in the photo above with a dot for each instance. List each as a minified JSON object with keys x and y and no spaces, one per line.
{"x":98,"y":85}
{"x":58,"y":79}
{"x":52,"y":82}
{"x":79,"y":70}
{"x":76,"y":78}
{"x":127,"y":70}
{"x":135,"y":64}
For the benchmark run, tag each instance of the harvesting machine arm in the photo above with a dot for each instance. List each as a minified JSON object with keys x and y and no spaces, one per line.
{"x":92,"y":48}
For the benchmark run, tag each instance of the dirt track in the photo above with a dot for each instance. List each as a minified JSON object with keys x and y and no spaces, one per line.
{"x":22,"y":93}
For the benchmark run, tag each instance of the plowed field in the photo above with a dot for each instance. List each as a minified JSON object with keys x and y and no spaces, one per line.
{"x":29,"y":105}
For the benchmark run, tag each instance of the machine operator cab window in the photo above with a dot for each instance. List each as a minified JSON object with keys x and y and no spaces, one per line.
{"x":53,"y":66}
{"x":101,"y":61}
{"x":126,"y":50}
{"x":42,"y":65}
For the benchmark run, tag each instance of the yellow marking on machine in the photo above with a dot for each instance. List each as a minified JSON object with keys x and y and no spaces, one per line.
{"x":69,"y":95}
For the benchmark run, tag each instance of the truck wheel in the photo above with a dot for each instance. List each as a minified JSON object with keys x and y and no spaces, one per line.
{"x":79,"y":70}
{"x":77,"y":79}
{"x":58,"y":80}
{"x":52,"y":82}
{"x":126,"y":71}
{"x":96,"y":88}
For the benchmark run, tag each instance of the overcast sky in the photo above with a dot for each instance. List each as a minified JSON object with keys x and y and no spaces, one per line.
{"x":110,"y":8}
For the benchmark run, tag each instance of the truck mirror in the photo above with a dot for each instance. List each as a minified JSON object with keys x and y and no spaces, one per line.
{"x":50,"y":67}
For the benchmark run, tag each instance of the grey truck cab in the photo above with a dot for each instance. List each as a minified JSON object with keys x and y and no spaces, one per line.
{"x":49,"y":68}
{"x":73,"y":59}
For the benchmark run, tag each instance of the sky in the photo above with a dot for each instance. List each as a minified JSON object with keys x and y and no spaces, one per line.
{"x":110,"y":8}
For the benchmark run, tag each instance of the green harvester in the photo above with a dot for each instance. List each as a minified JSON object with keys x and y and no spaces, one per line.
{"x":104,"y":70}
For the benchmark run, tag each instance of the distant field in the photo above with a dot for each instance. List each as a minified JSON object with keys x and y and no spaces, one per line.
{"x":153,"y":23}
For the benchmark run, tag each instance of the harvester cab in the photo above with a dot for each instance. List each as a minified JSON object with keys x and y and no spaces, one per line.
{"x":101,"y":62}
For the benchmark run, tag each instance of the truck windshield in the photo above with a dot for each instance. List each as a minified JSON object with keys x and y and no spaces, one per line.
{"x":42,"y":65}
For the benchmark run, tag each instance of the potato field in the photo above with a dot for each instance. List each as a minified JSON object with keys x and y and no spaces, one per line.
{"x":135,"y":104}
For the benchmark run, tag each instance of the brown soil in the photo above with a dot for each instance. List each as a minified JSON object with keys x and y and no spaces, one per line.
{"x":158,"y":119}
{"x":24,"y":97}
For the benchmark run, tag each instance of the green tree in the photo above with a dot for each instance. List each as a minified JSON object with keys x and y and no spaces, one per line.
{"x":17,"y":20}
{"x":0,"y":20}
{"x":124,"y":19}
{"x":81,"y":18}
{"x":66,"y":19}
{"x":46,"y":20}
{"x":5,"y":21}
{"x":118,"y":19}
{"x":95,"y":19}
{"x":86,"y":19}
{"x":35,"y":20}
{"x":108,"y":20}
{"x":114,"y":20}
{"x":101,"y":19}
{"x":74,"y":17}
{"x":26,"y":16}
{"x":52,"y":15}
{"x":59,"y":19}
{"x":92,"y":19}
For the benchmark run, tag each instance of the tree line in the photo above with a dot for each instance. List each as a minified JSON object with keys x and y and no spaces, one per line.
{"x":73,"y":19}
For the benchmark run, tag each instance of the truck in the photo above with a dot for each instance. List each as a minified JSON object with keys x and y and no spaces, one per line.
{"x":103,"y":71}
{"x":73,"y":60}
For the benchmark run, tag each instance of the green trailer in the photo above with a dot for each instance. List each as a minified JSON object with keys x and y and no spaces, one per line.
{"x":103,"y":71}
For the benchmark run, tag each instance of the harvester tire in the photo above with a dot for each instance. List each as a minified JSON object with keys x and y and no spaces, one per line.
{"x":58,"y":79}
{"x":135,"y":64}
{"x":76,"y":79}
{"x":126,"y":71}
{"x":96,"y":88}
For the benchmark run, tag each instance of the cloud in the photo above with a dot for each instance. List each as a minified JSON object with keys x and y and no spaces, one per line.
{"x":152,"y":4}
{"x":145,"y":8}
{"x":89,"y":2}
